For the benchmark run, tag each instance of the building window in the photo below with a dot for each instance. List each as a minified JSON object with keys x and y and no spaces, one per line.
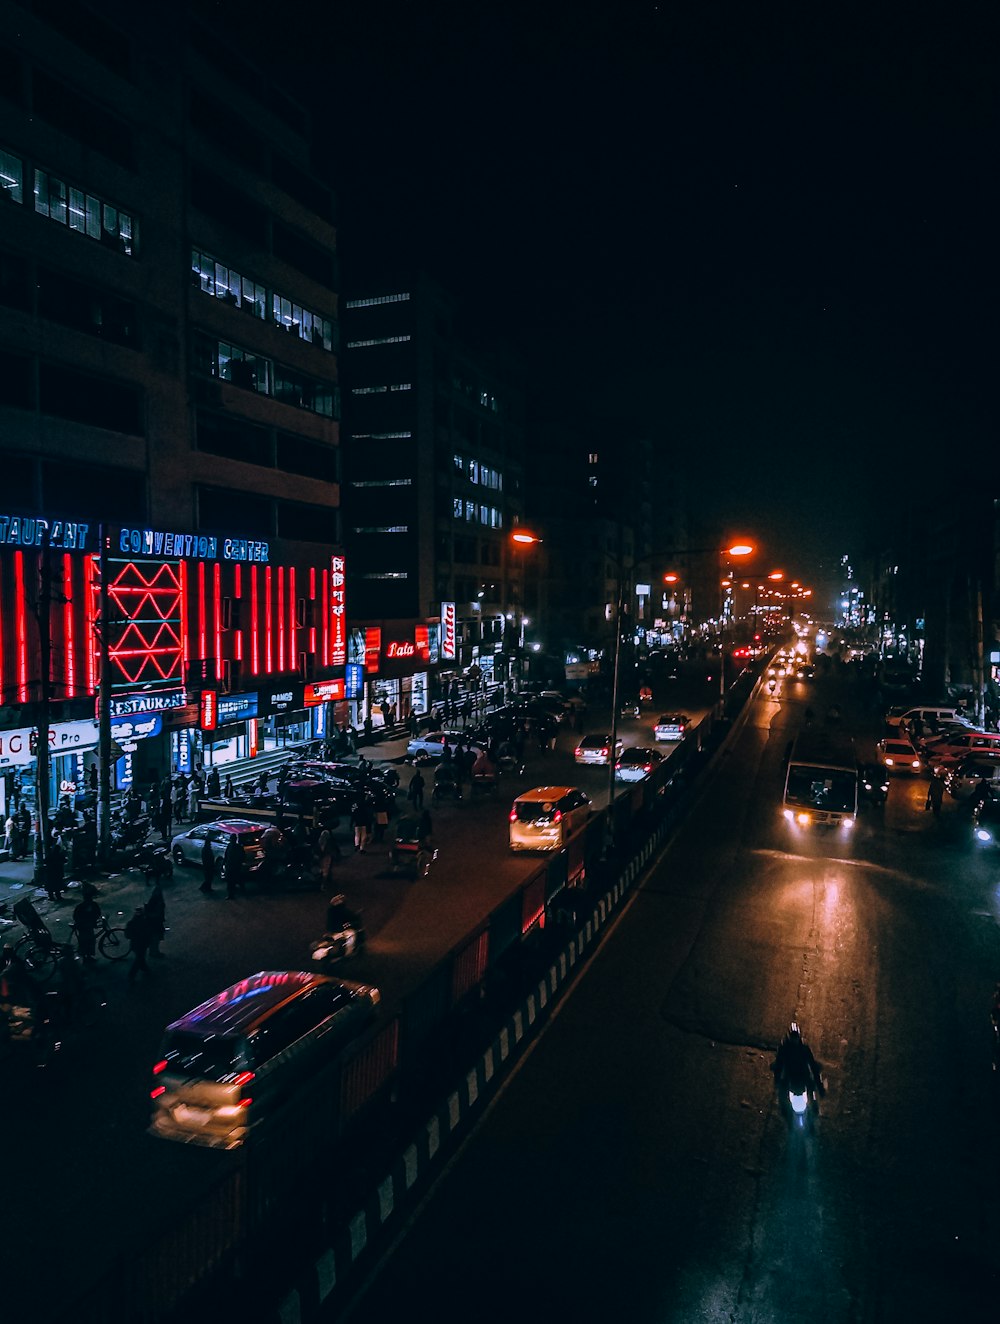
{"x":381,"y":528}
{"x":85,"y":213}
{"x":253,"y":372}
{"x":386,"y":574}
{"x":381,"y":298}
{"x":66,"y":392}
{"x":11,"y":176}
{"x":380,"y":340}
{"x":382,"y":482}
{"x":381,"y":436}
{"x":458,"y":507}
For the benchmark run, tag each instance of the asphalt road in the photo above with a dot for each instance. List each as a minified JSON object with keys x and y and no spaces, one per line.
{"x":636,"y":1166}
{"x":82,"y":1179}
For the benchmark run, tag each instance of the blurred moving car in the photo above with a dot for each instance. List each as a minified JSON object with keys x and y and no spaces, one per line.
{"x":596,"y":748}
{"x":542,"y":819}
{"x":961,"y":780}
{"x":432,"y":742}
{"x":636,"y":763}
{"x":186,"y":847}
{"x":671,"y":726}
{"x":899,"y":756}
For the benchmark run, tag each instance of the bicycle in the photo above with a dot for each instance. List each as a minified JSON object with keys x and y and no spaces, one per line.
{"x":41,"y":952}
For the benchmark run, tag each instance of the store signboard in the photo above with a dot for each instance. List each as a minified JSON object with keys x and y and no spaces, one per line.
{"x":208,"y":710}
{"x":136,"y":728}
{"x":159,"y":701}
{"x":237,"y":707}
{"x":354,"y":675}
{"x":338,"y":611}
{"x":448,"y":632}
{"x":281,"y":699}
{"x":20,"y":746}
{"x":323,"y":691}
{"x":422,"y":639}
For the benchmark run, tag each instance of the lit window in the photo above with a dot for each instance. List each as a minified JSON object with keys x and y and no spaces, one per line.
{"x":382,"y":528}
{"x":12,"y":176}
{"x":85,"y":213}
{"x":379,"y":340}
{"x":381,"y":298}
{"x":382,"y":482}
{"x":457,"y":507}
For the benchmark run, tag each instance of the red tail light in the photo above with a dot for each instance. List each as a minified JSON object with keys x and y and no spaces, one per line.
{"x":578,"y":750}
{"x":604,"y":752}
{"x":160,"y":1066}
{"x":557,"y":816}
{"x":160,"y":1089}
{"x":513,"y":815}
{"x":243,"y":1078}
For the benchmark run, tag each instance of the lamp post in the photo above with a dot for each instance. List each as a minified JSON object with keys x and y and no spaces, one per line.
{"x":521,"y":538}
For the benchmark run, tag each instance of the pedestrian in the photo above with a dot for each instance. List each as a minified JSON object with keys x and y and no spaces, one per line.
{"x":192,"y":800}
{"x":262,"y":781}
{"x":180,"y":800}
{"x":9,"y":829}
{"x":466,"y":712}
{"x":980,"y":795}
{"x":207,"y":866}
{"x":413,"y":721}
{"x":381,"y":823}
{"x":56,"y":874}
{"x":391,"y":779}
{"x":156,"y":913}
{"x":86,"y":917}
{"x":228,"y":790}
{"x":458,"y":768}
{"x":935,"y":794}
{"x":165,"y":817}
{"x":415,"y":790}
{"x":232,"y":867}
{"x":361,"y":819}
{"x":137,"y":930}
{"x":213,"y":784}
{"x":324,"y":856}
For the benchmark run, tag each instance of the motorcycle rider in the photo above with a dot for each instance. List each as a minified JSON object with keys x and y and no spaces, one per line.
{"x":794,"y":1061}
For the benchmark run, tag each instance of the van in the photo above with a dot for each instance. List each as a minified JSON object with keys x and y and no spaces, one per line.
{"x":224,"y":1067}
{"x":544,"y":818}
{"x":928,"y":713}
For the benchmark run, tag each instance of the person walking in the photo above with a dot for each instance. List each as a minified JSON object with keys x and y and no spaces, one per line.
{"x":361,"y":818}
{"x":232,"y":867}
{"x":213,"y":785}
{"x":207,"y":867}
{"x":137,"y":930}
{"x":156,"y":913}
{"x":86,"y":917}
{"x":192,"y":800}
{"x":180,"y":800}
{"x":935,"y":795}
{"x":324,"y":856}
{"x":228,"y":790}
{"x":55,"y":878}
{"x":979,"y":796}
{"x":415,"y":790}
{"x":165,"y":817}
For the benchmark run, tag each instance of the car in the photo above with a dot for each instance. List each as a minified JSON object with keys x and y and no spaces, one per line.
{"x":636,"y":763}
{"x":955,"y":748}
{"x":542,"y":819}
{"x":186,"y":847}
{"x":671,"y":726}
{"x":596,"y":748}
{"x":898,"y":755}
{"x":961,"y":780}
{"x":432,"y":742}
{"x":986,"y":823}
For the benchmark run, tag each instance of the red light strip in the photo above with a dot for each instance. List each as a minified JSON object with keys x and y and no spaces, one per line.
{"x":21,"y":619}
{"x":201,"y":610}
{"x":254,"y":633}
{"x":217,"y":617}
{"x":268,"y":622}
{"x":93,"y":614}
{"x":281,"y":618}
{"x":68,"y":626}
{"x":293,"y":656}
{"x":312,"y":582}
{"x":185,"y":652}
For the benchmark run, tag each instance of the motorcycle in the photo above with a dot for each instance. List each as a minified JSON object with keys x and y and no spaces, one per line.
{"x":801,"y":1100}
{"x":153,"y":862}
{"x":344,"y":935}
{"x":127,"y":832}
{"x":875,"y":785}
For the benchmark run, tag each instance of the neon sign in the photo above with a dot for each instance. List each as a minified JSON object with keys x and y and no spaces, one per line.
{"x":400,"y":648}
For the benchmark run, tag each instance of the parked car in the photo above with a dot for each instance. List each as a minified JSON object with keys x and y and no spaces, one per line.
{"x":950,"y":752}
{"x":432,"y":742}
{"x":961,"y":780}
{"x":899,"y":756}
{"x":186,"y":847}
{"x":636,"y":763}
{"x":542,"y":819}
{"x":671,"y":726}
{"x":596,"y":748}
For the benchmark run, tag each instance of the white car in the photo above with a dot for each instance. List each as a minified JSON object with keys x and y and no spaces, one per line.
{"x":636,"y":763}
{"x":596,"y":748}
{"x":432,"y":742}
{"x":671,"y":726}
{"x":961,"y":780}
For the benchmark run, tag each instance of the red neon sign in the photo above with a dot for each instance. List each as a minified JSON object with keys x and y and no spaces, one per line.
{"x":324,"y":691}
{"x":209,"y":710}
{"x":373,"y":646}
{"x":400,"y":648}
{"x":338,"y":611}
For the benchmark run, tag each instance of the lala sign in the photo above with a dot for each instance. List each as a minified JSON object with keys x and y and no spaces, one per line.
{"x":400,"y":649}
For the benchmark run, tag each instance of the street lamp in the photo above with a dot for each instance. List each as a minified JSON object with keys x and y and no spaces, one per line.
{"x":520,"y":538}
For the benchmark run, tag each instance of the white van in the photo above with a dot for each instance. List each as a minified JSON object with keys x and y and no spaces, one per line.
{"x":227,"y":1064}
{"x":544,"y":818}
{"x":928,"y":713}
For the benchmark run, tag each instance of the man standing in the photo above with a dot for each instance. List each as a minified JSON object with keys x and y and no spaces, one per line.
{"x":232,"y":867}
{"x":935,"y":795}
{"x":415,"y":791}
{"x":138,"y":932}
{"x":207,"y":866}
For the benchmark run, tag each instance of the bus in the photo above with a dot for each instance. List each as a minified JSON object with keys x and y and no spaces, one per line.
{"x":821,"y":780}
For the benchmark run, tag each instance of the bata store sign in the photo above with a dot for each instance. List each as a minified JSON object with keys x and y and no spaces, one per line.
{"x":21,"y":746}
{"x":448,"y":632}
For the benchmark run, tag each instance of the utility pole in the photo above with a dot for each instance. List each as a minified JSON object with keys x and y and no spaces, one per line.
{"x":43,"y":607}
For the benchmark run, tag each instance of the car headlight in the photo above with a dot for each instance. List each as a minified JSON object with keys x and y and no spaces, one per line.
{"x":983,"y":835}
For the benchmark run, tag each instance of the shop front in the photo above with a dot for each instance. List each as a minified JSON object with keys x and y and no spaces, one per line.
{"x":252,"y":722}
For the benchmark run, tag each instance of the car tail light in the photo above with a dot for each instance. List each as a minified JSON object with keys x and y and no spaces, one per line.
{"x":557,"y":816}
{"x":513,"y":815}
{"x":243,"y":1078}
{"x":160,"y":1066}
{"x":648,"y":767}
{"x":578,"y":750}
{"x":160,"y":1089}
{"x":604,"y":752}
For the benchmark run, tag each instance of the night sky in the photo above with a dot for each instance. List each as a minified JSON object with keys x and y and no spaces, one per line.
{"x":764,"y":235}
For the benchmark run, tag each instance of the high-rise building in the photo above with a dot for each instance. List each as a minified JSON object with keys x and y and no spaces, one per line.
{"x":169,"y":378}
